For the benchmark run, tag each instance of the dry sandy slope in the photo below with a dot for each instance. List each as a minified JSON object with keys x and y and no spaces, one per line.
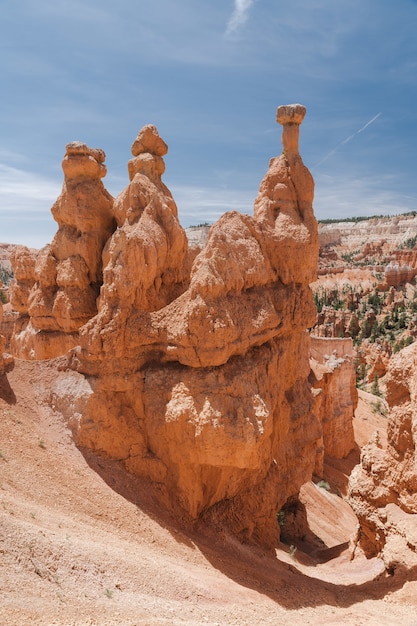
{"x":75,"y":551}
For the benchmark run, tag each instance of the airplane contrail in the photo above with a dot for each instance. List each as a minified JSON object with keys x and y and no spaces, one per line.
{"x":345,"y":141}
{"x":370,"y":122}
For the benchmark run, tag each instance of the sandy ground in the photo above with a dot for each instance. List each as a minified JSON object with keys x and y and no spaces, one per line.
{"x":86,"y":547}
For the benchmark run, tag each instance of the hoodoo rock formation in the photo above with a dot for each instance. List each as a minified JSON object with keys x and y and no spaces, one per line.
{"x":55,"y":291}
{"x":197,"y":378}
{"x":192,"y":371}
{"x":383,"y":488}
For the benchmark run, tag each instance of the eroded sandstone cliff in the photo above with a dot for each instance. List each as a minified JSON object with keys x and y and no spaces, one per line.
{"x":335,"y":396}
{"x":383,"y":488}
{"x":6,"y":359}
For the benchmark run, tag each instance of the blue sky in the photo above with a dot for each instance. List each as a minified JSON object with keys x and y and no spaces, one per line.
{"x":209,"y":75}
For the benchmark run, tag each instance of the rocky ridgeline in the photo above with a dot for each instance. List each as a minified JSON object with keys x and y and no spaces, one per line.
{"x":392,"y":230}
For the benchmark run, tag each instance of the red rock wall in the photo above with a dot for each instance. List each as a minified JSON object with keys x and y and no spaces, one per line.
{"x":335,"y":396}
{"x":383,"y":488}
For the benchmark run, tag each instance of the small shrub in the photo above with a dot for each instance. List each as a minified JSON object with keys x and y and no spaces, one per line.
{"x":379,"y":407}
{"x":281,"y":518}
{"x":323,"y":484}
{"x":375,"y":390}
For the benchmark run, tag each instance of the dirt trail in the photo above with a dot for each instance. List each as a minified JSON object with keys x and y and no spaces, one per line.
{"x":85,"y":547}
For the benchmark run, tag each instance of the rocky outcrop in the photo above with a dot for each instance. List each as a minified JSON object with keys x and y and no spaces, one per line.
{"x":332,"y":323}
{"x":335,"y":396}
{"x":383,"y":488}
{"x":396,"y":274}
{"x":6,"y":359}
{"x":199,"y":376}
{"x":55,"y":291}
{"x":375,"y":356}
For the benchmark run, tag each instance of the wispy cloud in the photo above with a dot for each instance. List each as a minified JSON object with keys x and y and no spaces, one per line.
{"x":371,"y":195}
{"x":22,"y":189}
{"x":206,"y":204}
{"x":25,"y":202}
{"x":239,"y":16}
{"x":345,"y":141}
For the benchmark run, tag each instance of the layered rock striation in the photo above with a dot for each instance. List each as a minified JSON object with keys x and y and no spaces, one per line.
{"x":55,"y":290}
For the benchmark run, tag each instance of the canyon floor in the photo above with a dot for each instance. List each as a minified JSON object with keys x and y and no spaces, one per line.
{"x":81,"y":543}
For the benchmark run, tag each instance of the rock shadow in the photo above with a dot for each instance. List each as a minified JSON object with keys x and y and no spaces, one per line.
{"x":6,"y":392}
{"x":141,"y":492}
{"x":337,"y":471}
{"x":289,"y":587}
{"x":247,"y":564}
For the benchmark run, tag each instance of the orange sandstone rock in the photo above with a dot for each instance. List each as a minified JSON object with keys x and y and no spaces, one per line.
{"x":6,"y":359}
{"x":383,"y":488}
{"x":56,"y":292}
{"x":199,"y":378}
{"x":335,"y":395}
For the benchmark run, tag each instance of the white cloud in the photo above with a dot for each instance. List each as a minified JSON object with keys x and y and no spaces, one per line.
{"x":24,"y":190}
{"x":25,"y":202}
{"x":349,"y":196}
{"x":206,"y":204}
{"x":239,"y":16}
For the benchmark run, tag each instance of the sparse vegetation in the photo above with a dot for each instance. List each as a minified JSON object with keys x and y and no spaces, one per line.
{"x":6,"y":276}
{"x":372,"y":317}
{"x":379,"y":407}
{"x":353,"y":220}
{"x":375,"y":386}
{"x":409,"y":243}
{"x":202,"y":225}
